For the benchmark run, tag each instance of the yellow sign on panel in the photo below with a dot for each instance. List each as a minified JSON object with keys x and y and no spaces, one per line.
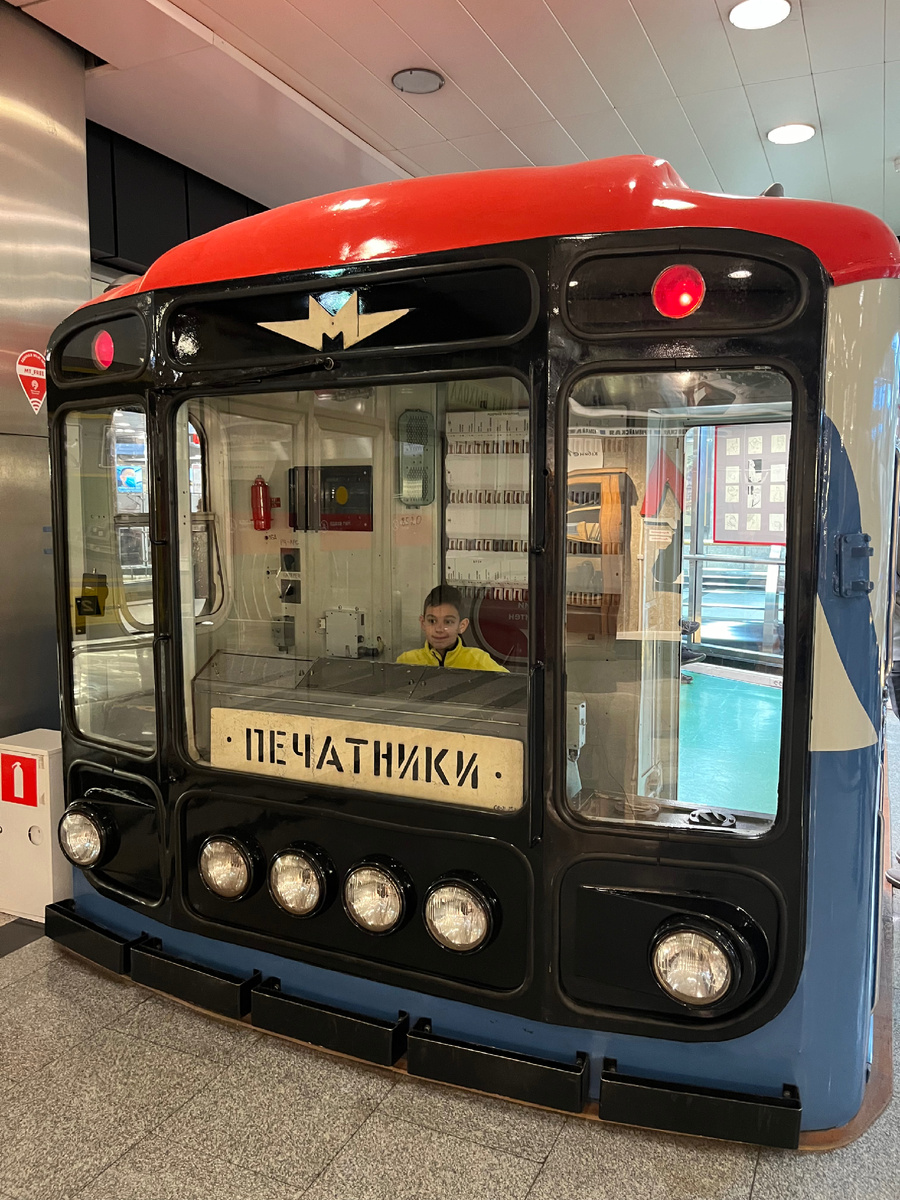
{"x":394,"y":760}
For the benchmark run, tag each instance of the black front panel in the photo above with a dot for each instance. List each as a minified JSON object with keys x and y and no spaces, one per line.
{"x":484,"y":304}
{"x":503,"y":963}
{"x":552,"y":958}
{"x":610,"y":293}
{"x":110,"y":348}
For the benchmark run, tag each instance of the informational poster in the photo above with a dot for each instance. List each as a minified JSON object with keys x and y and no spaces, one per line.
{"x":750,"y":490}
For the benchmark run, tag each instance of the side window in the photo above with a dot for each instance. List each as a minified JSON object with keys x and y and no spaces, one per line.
{"x":677,"y":523}
{"x":110,"y":575}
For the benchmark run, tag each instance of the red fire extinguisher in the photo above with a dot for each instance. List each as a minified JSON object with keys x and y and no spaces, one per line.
{"x":261,"y":504}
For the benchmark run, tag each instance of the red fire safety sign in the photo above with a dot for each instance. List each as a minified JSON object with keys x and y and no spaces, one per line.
{"x":18,"y":779}
{"x":31,"y":369}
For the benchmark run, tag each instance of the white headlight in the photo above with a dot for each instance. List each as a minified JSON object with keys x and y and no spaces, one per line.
{"x":225,"y":868}
{"x":373,"y":899}
{"x":457,"y":916}
{"x":81,"y":838}
{"x":692,"y":967}
{"x":296,"y":882}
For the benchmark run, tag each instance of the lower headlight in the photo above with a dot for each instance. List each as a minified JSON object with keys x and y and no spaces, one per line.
{"x":374,"y":898}
{"x":226,"y":867}
{"x":82,"y":837}
{"x":457,"y":915}
{"x":297,"y":882}
{"x":692,"y":966}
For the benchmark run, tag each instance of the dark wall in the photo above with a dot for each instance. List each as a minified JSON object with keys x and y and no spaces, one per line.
{"x":142,"y":203}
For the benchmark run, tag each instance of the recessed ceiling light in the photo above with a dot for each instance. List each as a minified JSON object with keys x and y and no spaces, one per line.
{"x":759,"y":14}
{"x":789,"y":135}
{"x":418,"y":80}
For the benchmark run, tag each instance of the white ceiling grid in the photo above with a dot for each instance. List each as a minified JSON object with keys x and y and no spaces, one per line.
{"x":287,"y":98}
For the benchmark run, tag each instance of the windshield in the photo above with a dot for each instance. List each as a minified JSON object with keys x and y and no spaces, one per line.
{"x":355,"y":612}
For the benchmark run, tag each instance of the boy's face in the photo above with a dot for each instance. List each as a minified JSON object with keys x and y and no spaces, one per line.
{"x":442,"y":626}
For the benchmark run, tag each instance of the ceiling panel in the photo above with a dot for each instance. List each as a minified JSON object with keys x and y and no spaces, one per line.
{"x":467,"y":55}
{"x":851,"y":104}
{"x":844,"y":35}
{"x":534,"y":42}
{"x":441,"y":158}
{"x":489,"y":150}
{"x":277,"y":149}
{"x":287,"y":33}
{"x":891,"y":31}
{"x":602,"y":136}
{"x":764,"y":54}
{"x":664,"y":131}
{"x":121,"y":32}
{"x":727,"y":131}
{"x":613,"y":43}
{"x":546,"y":145}
{"x":801,"y":168}
{"x":542,"y":81}
{"x":372,"y":37}
{"x":891,"y":144}
{"x":691,"y":44}
{"x":239,"y":39}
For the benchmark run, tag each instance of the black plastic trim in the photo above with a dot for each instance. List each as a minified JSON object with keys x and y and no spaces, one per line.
{"x":66,"y":927}
{"x":706,"y":1112}
{"x":558,"y":1085}
{"x":368,"y":1038}
{"x":228,"y":995}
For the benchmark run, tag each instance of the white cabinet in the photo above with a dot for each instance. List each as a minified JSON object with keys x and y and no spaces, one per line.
{"x":33,"y":870}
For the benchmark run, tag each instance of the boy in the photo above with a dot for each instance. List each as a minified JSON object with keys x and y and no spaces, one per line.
{"x":442,"y":625}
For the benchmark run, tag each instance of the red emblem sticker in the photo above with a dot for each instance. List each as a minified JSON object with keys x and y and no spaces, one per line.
{"x":32,"y":372}
{"x":18,"y":779}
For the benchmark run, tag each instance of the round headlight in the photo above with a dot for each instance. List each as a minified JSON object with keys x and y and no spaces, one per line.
{"x":82,"y":837}
{"x":457,"y":915}
{"x":692,"y":966}
{"x":297,"y":882}
{"x":225,"y":867}
{"x":374,"y":898}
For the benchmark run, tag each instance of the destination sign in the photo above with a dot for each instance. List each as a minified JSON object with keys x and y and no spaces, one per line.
{"x":394,"y":760}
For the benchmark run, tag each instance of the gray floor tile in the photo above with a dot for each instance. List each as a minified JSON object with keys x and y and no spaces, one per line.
{"x":5,"y":918}
{"x":69,"y":1121}
{"x":609,"y":1162}
{"x":158,"y":1169}
{"x":51,"y":1009}
{"x":868,"y":1169}
{"x":280,"y":1110}
{"x":180,"y":1028}
{"x":394,"y":1160}
{"x":15,"y":966}
{"x":514,"y":1128}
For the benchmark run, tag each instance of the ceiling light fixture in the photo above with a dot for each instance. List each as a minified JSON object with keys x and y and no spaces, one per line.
{"x":420,"y":81}
{"x":759,"y":14}
{"x":790,"y":135}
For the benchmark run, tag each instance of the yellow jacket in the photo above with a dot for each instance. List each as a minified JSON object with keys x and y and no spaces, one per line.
{"x":462,"y":658}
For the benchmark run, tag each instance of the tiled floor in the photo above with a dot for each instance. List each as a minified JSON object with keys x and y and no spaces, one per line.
{"x":108,"y":1093}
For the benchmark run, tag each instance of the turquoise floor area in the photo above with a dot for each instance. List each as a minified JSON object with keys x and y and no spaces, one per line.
{"x":729,"y":744}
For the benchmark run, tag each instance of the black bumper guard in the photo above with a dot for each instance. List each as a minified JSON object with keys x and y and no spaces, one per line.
{"x":369,"y":1038}
{"x":66,"y":927}
{"x":216,"y":991}
{"x":562,"y":1086}
{"x":624,"y":1099}
{"x":706,"y":1112}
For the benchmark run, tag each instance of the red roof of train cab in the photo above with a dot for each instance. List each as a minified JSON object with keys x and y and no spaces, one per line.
{"x":442,"y":212}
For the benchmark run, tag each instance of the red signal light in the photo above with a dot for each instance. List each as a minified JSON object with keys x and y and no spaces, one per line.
{"x":678,"y":291}
{"x":102,"y":350}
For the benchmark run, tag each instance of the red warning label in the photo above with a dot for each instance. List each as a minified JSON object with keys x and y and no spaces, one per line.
{"x":18,"y":779}
{"x":31,"y":369}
